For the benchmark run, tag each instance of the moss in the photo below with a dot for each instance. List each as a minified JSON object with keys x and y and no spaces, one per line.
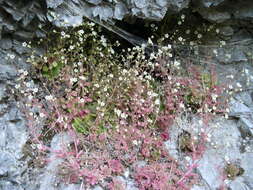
{"x":185,"y":142}
{"x":233,"y":170}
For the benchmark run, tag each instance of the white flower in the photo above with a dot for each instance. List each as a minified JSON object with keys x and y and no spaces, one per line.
{"x":188,"y":158}
{"x":176,"y":63}
{"x":12,"y":56}
{"x":35,"y":90}
{"x":73,"y":80}
{"x":118,"y":112}
{"x":30,"y":97}
{"x":214,"y":97}
{"x":102,"y":104}
{"x":135,"y":142}
{"x":123,"y":115}
{"x":80,"y":32}
{"x":182,"y":16}
{"x":239,"y":85}
{"x":60,"y":119}
{"x":82,"y":78}
{"x":24,"y":44}
{"x":150,"y":41}
{"x":49,"y":97}
{"x":223,"y":43}
{"x":166,"y":35}
{"x":180,"y":39}
{"x":199,"y":36}
{"x":157,"y":101}
{"x":25,"y":73}
{"x":42,"y":115}
{"x":17,"y":86}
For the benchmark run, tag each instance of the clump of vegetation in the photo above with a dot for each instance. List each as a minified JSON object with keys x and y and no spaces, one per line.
{"x":233,"y":170}
{"x":118,"y":109}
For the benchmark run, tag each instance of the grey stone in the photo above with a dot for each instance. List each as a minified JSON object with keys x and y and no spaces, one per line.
{"x":177,"y":5}
{"x":120,"y":11}
{"x":94,"y":2}
{"x":226,"y":138}
{"x":7,"y":164}
{"x":246,"y":164}
{"x":245,"y":12}
{"x":17,"y":14}
{"x":226,"y":31}
{"x":215,"y":16}
{"x":238,"y":183}
{"x":231,"y":55}
{"x":6,"y":43}
{"x":8,"y":185}
{"x":198,"y":187}
{"x":17,"y":46}
{"x":103,"y":12}
{"x":245,"y":97}
{"x":23,"y":35}
{"x":12,"y":124}
{"x":246,"y":126}
{"x":237,"y":108}
{"x":54,"y":3}
{"x":211,"y":3}
{"x":7,"y":71}
{"x":2,"y":91}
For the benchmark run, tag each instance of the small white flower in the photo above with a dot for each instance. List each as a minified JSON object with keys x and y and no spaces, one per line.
{"x":12,"y":56}
{"x":49,"y":97}
{"x":223,"y":43}
{"x":80,"y":32}
{"x":135,"y":142}
{"x":123,"y":115}
{"x":239,"y":85}
{"x":30,"y":97}
{"x":73,"y":80}
{"x":82,"y":78}
{"x":17,"y":86}
{"x":150,"y":41}
{"x":25,"y":73}
{"x":102,"y":104}
{"x":157,"y":102}
{"x":24,"y":44}
{"x":42,"y":115}
{"x":215,"y":51}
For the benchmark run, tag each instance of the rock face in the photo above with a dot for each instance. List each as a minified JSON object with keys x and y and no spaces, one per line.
{"x":22,"y":20}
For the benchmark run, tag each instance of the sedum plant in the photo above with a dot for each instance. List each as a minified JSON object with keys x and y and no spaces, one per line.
{"x":118,"y":109}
